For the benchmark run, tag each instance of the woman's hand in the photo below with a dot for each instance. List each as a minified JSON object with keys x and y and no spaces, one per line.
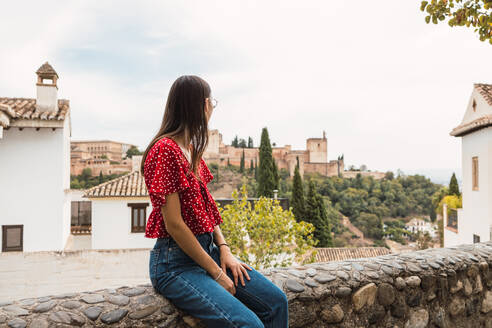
{"x":238,"y":269}
{"x":226,"y":282}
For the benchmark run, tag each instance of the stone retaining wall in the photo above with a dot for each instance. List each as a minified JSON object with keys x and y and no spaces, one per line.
{"x":447,"y":287}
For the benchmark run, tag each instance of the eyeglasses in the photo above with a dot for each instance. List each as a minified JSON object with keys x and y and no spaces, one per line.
{"x":213,"y":101}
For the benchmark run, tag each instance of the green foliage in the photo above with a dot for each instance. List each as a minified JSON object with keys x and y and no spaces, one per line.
{"x":235,"y":142}
{"x":275,"y":173}
{"x":133,"y":151}
{"x":400,"y":197}
{"x":474,"y":14}
{"x":250,"y":142}
{"x":241,"y":164}
{"x":297,"y":199}
{"x":452,"y":201}
{"x":275,"y":237}
{"x":453,"y":186}
{"x":266,"y":176}
{"x":315,"y":213}
{"x":86,"y":180}
{"x":370,"y":225}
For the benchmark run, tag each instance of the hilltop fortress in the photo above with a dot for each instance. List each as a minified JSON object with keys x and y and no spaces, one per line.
{"x":313,"y":159}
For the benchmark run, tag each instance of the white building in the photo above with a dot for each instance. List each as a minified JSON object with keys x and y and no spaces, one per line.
{"x":120,"y":209}
{"x":474,"y":220}
{"x":416,"y":225}
{"x":35,"y":168}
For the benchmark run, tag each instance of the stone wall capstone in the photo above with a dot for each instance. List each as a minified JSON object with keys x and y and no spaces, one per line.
{"x":446,"y":287}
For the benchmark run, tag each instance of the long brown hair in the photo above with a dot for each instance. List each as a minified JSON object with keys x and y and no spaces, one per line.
{"x":185,"y":112}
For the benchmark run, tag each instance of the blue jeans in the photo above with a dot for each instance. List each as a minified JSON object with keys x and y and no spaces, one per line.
{"x":190,"y":288}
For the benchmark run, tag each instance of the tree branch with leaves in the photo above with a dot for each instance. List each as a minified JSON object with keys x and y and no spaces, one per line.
{"x":476,"y":14}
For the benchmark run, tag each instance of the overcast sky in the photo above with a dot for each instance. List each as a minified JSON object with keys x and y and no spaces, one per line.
{"x":386,"y":87}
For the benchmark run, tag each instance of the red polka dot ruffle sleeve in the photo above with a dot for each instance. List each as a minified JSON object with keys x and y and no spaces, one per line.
{"x":168,"y":173}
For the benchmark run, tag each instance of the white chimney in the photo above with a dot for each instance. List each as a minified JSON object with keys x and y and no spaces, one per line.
{"x":47,"y":90}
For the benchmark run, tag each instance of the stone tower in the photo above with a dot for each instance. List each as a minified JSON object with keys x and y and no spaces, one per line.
{"x":317,"y":149}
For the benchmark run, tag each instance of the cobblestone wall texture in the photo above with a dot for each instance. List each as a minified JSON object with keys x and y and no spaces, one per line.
{"x":447,"y":287}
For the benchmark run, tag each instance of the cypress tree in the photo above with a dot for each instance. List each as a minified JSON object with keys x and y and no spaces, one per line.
{"x":101,"y":179}
{"x":235,"y":142}
{"x":266,"y":178}
{"x":228,"y":163}
{"x":241,"y":165}
{"x":275,"y":173}
{"x":256,"y":170}
{"x":251,"y":166}
{"x":316,"y":214}
{"x":453,"y":186}
{"x":250,"y":142}
{"x":297,"y":199}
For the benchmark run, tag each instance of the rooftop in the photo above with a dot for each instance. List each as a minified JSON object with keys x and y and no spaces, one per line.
{"x":345,"y":253}
{"x":17,"y":109}
{"x":485,"y":90}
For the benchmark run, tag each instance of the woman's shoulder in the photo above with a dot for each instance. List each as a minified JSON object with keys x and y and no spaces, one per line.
{"x":165,"y":144}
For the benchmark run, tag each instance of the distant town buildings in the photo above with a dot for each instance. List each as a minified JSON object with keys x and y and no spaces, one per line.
{"x":106,"y":156}
{"x":35,"y":175}
{"x":417,"y":225}
{"x":313,"y":159}
{"x":473,"y":222}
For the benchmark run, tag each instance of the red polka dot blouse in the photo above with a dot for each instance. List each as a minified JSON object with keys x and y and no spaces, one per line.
{"x":166,"y":170}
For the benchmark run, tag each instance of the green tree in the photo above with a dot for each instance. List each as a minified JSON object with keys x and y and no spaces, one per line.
{"x":453,"y":186}
{"x":235,"y":142}
{"x":271,"y":230}
{"x":266,"y":177}
{"x":256,"y":170}
{"x":474,"y":14}
{"x":297,"y":199}
{"x":241,"y":164}
{"x":276,"y":176}
{"x":101,"y":178}
{"x":228,"y":163}
{"x":86,"y":174}
{"x":315,"y":214}
{"x":133,"y":151}
{"x":242,"y":143}
{"x":250,"y":142}
{"x":251,"y":166}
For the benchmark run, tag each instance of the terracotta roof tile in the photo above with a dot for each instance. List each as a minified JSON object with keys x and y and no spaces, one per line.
{"x":485,"y":90}
{"x":46,"y":69}
{"x":474,"y":125}
{"x":25,"y":108}
{"x":129,"y":185}
{"x":344,"y":253}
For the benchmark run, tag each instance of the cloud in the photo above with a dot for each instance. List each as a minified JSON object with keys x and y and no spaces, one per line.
{"x":385,"y":86}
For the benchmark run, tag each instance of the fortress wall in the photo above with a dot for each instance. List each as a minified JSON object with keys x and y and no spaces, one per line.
{"x":446,"y":287}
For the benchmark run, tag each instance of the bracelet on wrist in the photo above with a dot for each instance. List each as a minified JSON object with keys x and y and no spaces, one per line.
{"x":220,"y":274}
{"x":223,"y":244}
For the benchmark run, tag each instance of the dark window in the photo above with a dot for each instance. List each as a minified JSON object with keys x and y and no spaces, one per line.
{"x":138,"y":216}
{"x":476,"y":239}
{"x":81,"y":221}
{"x":12,"y":238}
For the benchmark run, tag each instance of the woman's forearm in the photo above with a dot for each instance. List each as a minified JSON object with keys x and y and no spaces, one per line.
{"x":187,"y":241}
{"x":218,"y":237}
